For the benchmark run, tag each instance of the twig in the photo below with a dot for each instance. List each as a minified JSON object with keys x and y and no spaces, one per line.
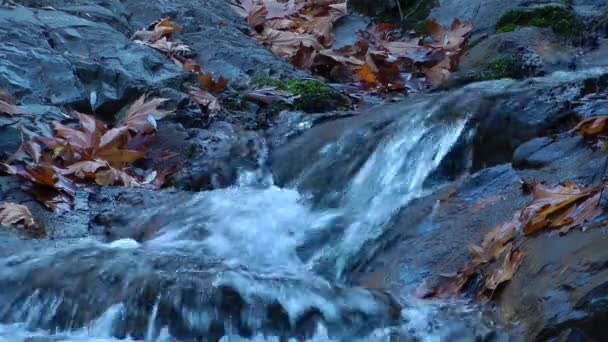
{"x":400,"y":10}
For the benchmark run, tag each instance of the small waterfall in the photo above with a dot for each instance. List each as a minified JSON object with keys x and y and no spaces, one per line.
{"x":392,"y":176}
{"x":150,"y":332}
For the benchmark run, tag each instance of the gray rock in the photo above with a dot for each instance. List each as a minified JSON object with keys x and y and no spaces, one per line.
{"x":525,"y":52}
{"x":218,"y":35}
{"x":74,"y":57}
{"x":484,"y":14}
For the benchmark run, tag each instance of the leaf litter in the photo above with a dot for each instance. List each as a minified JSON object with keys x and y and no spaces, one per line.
{"x":88,"y":152}
{"x":383,"y":59}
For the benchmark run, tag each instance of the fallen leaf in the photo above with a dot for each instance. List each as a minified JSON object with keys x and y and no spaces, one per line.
{"x":12,"y":213}
{"x":511,"y":262}
{"x":165,"y":29}
{"x":592,"y":126}
{"x":9,"y":109}
{"x":559,"y":206}
{"x":207,"y":83}
{"x":138,"y":114}
{"x":367,"y":75}
{"x":270,"y":95}
{"x":206,"y":100}
{"x":450,"y":38}
{"x":113,"y":176}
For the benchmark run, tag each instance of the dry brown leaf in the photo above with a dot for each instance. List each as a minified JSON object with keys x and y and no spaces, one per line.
{"x":270,"y":95}
{"x":555,"y":207}
{"x":206,"y":100}
{"x":165,"y":29}
{"x":511,"y":262}
{"x":9,"y":109}
{"x":285,"y":43}
{"x":113,"y":176}
{"x":439,"y":73}
{"x":367,"y":75}
{"x":257,"y":15}
{"x":592,"y":126}
{"x":450,"y":39}
{"x":84,"y":169}
{"x":207,"y":83}
{"x":12,"y":213}
{"x":142,"y":115}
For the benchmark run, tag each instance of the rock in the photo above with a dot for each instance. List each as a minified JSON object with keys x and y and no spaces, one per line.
{"x":322,"y":160}
{"x":213,"y":157}
{"x":565,"y":275}
{"x":215,"y":24}
{"x":430,"y":236}
{"x":590,"y":9}
{"x":525,"y":52}
{"x":485,"y":14}
{"x":502,"y":115}
{"x":77,"y":57}
{"x":570,"y":286}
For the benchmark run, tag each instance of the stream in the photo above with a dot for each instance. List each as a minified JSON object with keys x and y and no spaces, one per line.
{"x":266,"y":260}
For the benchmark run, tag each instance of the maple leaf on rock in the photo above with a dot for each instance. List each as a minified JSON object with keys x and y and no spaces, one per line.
{"x":449,"y":38}
{"x":206,"y":100}
{"x":511,"y":262}
{"x":8,"y":105}
{"x":561,"y":207}
{"x":142,"y":115}
{"x":12,"y":213}
{"x":9,"y":109}
{"x":592,"y":126}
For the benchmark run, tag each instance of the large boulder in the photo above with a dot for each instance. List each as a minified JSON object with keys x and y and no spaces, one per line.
{"x":501,"y":115}
{"x":564,"y":276}
{"x":52,"y":57}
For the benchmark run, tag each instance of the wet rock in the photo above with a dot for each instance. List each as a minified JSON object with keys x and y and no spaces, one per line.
{"x":525,"y":52}
{"x":565,"y":275}
{"x":484,"y":14}
{"x":321,"y":161}
{"x":213,"y":157}
{"x":569,"y":277}
{"x":189,"y":290}
{"x":429,"y":236}
{"x":215,"y":24}
{"x":76,"y":57}
{"x":502,"y":115}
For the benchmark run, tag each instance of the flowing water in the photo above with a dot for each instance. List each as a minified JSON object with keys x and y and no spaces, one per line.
{"x":242,"y":263}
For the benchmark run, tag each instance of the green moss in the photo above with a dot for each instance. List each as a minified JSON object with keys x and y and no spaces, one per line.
{"x":314,"y":96}
{"x":502,"y":67}
{"x":507,"y":28}
{"x":557,"y":18}
{"x":235,"y":103}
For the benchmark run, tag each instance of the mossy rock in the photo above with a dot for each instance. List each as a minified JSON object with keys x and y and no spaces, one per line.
{"x":559,"y":19}
{"x":314,"y":96}
{"x":503,"y":67}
